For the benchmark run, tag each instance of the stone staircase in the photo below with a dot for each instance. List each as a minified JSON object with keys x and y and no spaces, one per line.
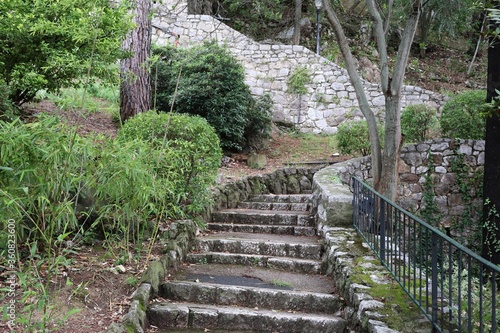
{"x":258,"y":268}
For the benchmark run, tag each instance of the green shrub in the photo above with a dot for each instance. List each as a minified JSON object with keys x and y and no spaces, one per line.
{"x":48,"y":45}
{"x":184,"y":152}
{"x":353,"y":138}
{"x":7,"y":108}
{"x":211,"y":85}
{"x":417,"y":122}
{"x":42,"y":173}
{"x":462,"y":116}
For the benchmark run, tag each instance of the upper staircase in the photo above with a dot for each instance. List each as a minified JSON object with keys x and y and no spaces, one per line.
{"x":257,"y":268}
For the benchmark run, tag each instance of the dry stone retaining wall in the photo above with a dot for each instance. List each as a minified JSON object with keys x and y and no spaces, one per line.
{"x":434,"y":158}
{"x":330,"y":99}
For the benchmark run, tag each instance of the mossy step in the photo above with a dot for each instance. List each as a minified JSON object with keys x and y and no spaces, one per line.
{"x":278,"y":248}
{"x":290,"y":198}
{"x":189,"y":315}
{"x":306,"y":266}
{"x":223,"y":292}
{"x":283,"y":206}
{"x":255,"y":216}
{"x":263,"y":229}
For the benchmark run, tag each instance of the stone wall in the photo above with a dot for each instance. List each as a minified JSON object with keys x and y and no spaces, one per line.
{"x":451,"y":166}
{"x":330,"y":99}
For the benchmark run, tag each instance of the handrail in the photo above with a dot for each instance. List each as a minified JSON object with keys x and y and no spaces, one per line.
{"x":455,"y":288}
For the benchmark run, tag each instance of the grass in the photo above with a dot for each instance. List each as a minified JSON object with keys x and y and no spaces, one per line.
{"x":96,"y":98}
{"x":307,"y":146}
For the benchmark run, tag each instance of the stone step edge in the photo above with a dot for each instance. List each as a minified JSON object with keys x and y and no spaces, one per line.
{"x":281,"y":198}
{"x":192,"y":315}
{"x":262,"y":212}
{"x":310,"y":266}
{"x":245,"y":246}
{"x":313,"y":301}
{"x":283,"y":229}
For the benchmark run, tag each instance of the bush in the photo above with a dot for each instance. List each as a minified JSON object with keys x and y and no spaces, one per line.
{"x":353,"y":138}
{"x":211,"y":85}
{"x":417,"y":122}
{"x":184,"y":151}
{"x":462,"y":116}
{"x":54,"y":183}
{"x":50,"y":44}
{"x":42,"y":173}
{"x":7,"y":108}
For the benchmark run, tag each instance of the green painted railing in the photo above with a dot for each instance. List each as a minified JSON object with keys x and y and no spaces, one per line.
{"x":456,"y":289}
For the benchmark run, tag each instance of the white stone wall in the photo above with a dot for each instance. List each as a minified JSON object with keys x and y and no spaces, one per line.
{"x":330,"y":100}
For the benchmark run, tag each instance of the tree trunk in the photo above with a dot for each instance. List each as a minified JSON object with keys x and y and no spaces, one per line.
{"x":135,"y":88}
{"x":392,"y":87}
{"x":298,"y":17}
{"x":200,"y":7}
{"x":491,"y":192}
{"x":376,"y":151}
{"x":384,"y":167}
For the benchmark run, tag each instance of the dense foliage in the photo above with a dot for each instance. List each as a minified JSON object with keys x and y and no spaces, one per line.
{"x":353,"y":138}
{"x":417,"y":122}
{"x":53,"y":44}
{"x":462,"y":116}
{"x":185,"y":153}
{"x":208,"y":81}
{"x":56,"y":184}
{"x":251,"y":16}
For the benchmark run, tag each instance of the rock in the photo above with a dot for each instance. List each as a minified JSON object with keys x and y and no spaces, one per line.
{"x":257,"y":161}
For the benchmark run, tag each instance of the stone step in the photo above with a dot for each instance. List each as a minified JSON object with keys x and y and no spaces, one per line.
{"x":251,"y":297}
{"x":270,"y":217}
{"x":306,"y":266}
{"x":296,"y":207}
{"x":289,"y":198}
{"x":189,"y":315}
{"x":263,"y":229}
{"x":266,"y":245}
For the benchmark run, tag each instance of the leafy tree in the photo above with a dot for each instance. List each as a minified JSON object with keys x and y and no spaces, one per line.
{"x":251,"y":16}
{"x":199,"y":7}
{"x":440,"y":18}
{"x":52,"y":44}
{"x":384,"y":165}
{"x":208,"y":81}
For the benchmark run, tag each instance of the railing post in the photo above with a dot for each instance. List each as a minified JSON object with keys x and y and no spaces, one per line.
{"x":382,"y":227}
{"x":434,"y":277}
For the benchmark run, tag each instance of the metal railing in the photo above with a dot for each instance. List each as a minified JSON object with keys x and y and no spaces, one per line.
{"x":456,"y":289}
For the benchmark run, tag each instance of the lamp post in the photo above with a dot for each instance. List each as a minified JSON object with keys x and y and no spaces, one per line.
{"x":319,"y":5}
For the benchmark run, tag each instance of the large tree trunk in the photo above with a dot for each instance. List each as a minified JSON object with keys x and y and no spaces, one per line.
{"x":491,"y":192}
{"x":200,"y":7}
{"x":135,"y":88}
{"x":298,"y":17}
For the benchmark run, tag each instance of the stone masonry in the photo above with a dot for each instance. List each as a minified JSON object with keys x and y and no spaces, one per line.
{"x":330,"y":99}
{"x":433,"y":158}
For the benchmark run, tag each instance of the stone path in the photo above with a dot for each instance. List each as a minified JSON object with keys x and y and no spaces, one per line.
{"x":258,"y":269}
